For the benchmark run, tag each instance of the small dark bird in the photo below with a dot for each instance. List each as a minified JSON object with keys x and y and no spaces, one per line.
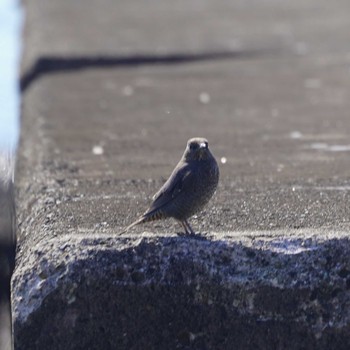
{"x":188,"y":189}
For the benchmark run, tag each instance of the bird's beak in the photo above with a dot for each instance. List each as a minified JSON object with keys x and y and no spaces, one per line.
{"x":203,"y":147}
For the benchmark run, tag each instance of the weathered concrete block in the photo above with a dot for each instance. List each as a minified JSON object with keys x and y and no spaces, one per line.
{"x":251,"y":284}
{"x":105,"y":119}
{"x":167,"y":292}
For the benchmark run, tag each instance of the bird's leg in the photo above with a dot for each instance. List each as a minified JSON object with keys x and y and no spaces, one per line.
{"x":184,"y":226}
{"x":187,"y":227}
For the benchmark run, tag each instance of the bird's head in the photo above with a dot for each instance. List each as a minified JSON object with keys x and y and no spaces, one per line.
{"x":197,"y":149}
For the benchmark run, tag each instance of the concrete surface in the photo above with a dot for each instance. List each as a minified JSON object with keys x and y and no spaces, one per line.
{"x":111,"y":93}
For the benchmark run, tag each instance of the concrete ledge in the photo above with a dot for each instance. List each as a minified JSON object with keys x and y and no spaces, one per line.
{"x":106,"y":115}
{"x":248,"y":289}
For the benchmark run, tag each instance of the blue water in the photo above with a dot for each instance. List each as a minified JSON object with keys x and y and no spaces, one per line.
{"x":10,"y":44}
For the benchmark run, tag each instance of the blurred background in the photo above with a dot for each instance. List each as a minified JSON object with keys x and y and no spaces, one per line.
{"x":10,"y":26}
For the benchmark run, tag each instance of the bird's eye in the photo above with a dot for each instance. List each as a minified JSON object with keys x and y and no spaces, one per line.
{"x":193,"y":146}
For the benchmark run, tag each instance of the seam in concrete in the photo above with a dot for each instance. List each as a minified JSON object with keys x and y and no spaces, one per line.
{"x":56,"y":64}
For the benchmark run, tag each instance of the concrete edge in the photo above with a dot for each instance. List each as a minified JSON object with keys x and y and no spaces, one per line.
{"x":53,"y":262}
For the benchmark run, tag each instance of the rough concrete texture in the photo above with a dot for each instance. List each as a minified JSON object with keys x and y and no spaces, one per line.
{"x":111,"y":93}
{"x":241,"y":290}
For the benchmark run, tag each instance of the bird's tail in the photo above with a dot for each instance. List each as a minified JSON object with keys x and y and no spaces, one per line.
{"x":147,"y":217}
{"x":137,"y":222}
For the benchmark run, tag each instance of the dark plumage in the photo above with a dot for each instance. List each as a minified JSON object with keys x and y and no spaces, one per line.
{"x":188,"y":189}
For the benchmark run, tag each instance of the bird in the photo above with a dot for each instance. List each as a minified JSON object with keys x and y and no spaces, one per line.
{"x":188,"y":189}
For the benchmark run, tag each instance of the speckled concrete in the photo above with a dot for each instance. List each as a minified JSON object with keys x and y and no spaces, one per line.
{"x":110,"y":96}
{"x":247,"y":288}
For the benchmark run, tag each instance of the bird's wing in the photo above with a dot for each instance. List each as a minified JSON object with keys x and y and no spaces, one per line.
{"x":181,"y":178}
